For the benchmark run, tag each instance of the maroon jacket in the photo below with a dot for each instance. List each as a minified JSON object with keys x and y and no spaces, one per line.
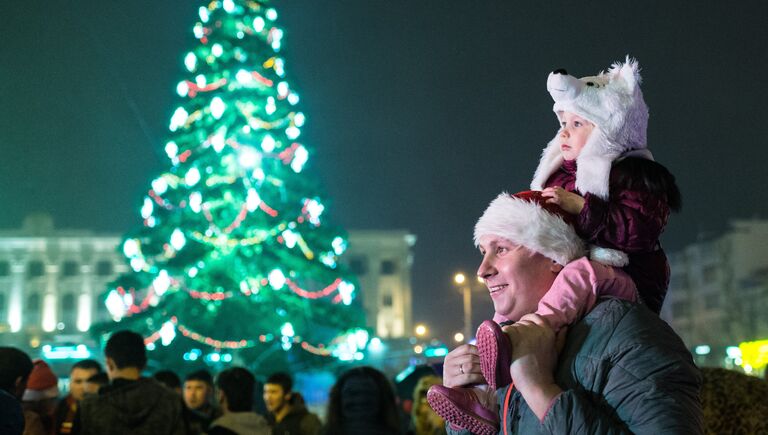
{"x":630,"y":221}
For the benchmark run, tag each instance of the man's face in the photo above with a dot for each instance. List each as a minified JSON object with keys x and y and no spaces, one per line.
{"x":275,"y":398}
{"x":196,"y":394}
{"x":77,"y":381}
{"x":516,"y":277}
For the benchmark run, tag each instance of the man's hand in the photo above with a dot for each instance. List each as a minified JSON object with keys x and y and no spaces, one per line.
{"x":462,"y":367}
{"x":568,"y":201}
{"x":534,"y":357}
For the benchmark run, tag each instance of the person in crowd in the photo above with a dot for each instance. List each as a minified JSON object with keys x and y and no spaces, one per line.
{"x":619,"y":369}
{"x":169,"y":379}
{"x":130,"y":404}
{"x":39,"y":399}
{"x":15,"y":367}
{"x":234,"y":391}
{"x":95,"y":383}
{"x":67,"y":408}
{"x":424,"y":420}
{"x":198,"y":397}
{"x":286,"y":414}
{"x":733,"y":402}
{"x":362,"y":402}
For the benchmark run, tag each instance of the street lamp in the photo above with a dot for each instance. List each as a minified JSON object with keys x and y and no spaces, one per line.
{"x":458,"y":337}
{"x":461,"y":280}
{"x":420,"y":330}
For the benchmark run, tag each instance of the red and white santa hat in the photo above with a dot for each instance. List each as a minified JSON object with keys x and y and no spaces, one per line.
{"x":526,"y":219}
{"x":42,"y":383}
{"x":612,"y":101}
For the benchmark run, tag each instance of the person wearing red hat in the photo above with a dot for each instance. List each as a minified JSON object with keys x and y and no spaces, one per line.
{"x":619,"y":369}
{"x":39,"y":399}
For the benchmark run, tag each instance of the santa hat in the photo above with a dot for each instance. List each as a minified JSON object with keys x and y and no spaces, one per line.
{"x":612,"y":101}
{"x":527,"y":220}
{"x":42,"y":383}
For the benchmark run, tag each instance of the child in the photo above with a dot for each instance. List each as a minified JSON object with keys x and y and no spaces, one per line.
{"x":601,"y":143}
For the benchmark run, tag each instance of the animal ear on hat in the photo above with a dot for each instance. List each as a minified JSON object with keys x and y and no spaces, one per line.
{"x":629,"y":73}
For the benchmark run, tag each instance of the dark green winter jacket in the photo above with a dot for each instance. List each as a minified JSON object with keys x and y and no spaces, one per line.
{"x":623,"y":370}
{"x":140,"y":407}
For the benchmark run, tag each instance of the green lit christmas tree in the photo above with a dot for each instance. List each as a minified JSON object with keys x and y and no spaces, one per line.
{"x":234,"y":258}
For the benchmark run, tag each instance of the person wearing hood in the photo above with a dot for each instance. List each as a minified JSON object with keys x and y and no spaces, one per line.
{"x":235,"y":395}
{"x":130,"y":404}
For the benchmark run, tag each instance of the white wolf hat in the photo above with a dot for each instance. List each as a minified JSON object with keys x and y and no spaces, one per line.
{"x":611,"y":100}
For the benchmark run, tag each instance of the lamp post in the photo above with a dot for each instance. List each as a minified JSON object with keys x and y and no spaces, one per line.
{"x":461,"y":280}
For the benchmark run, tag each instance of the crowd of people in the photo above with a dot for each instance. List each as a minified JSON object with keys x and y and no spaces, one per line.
{"x":120,"y":399}
{"x":577,"y":277}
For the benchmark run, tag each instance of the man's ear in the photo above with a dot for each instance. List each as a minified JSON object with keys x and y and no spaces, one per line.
{"x":555,"y":267}
{"x":111,"y":366}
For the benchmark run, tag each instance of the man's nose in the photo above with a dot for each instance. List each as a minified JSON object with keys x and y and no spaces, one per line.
{"x":486,"y":268}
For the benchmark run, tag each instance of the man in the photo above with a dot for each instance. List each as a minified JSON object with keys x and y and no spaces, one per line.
{"x":67,"y":408}
{"x":287,"y":412}
{"x":15,"y":367}
{"x":235,"y":396}
{"x":198,"y":394}
{"x":131,"y":403}
{"x":619,"y":369}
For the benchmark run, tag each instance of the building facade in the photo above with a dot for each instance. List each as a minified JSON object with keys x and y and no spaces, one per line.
{"x":382,"y":261}
{"x":52,"y":281}
{"x":718,"y":294}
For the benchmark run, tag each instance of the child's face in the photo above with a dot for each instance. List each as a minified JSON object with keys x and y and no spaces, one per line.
{"x":574,"y":132}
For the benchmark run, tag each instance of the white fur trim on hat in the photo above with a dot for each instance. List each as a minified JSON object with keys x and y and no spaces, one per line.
{"x":609,"y":257}
{"x":611,"y":100}
{"x":35,"y":395}
{"x":527,"y":224}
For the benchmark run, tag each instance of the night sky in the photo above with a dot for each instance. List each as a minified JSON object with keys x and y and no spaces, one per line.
{"x":419,"y":112}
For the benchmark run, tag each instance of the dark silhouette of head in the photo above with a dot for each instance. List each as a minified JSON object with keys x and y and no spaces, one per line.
{"x":126,"y":349}
{"x":15,"y":367}
{"x":237,"y":384}
{"x":362,"y":401}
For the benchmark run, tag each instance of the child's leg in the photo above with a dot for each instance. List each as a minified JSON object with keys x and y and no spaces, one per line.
{"x":577,"y":287}
{"x":573,"y":293}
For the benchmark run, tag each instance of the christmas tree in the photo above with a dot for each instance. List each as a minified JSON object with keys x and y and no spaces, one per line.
{"x":234,"y":258}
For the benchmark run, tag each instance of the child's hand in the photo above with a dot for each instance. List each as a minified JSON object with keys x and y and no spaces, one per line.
{"x":568,"y":201}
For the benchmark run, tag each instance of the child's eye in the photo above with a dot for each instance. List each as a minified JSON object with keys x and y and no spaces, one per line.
{"x":577,"y":123}
{"x":501,"y":250}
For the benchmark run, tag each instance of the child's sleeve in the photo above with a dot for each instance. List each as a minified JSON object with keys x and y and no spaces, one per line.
{"x":630,"y":221}
{"x":577,"y":287}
